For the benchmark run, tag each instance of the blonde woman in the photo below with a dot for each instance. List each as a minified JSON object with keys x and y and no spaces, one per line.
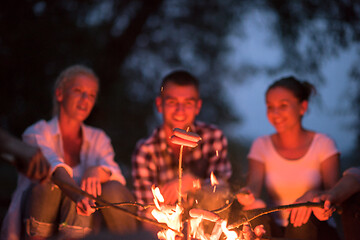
{"x":79,"y":155}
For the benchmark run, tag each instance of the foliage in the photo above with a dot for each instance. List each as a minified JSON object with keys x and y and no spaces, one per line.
{"x":132,"y":44}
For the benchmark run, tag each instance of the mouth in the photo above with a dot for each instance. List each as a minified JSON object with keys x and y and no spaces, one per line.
{"x":278,"y":121}
{"x":179,"y":119}
{"x":82,"y":108}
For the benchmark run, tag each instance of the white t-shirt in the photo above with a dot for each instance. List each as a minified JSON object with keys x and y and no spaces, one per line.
{"x":286,"y":180}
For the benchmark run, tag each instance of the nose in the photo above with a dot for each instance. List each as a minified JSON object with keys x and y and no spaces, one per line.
{"x":85,"y":95}
{"x":274,"y":111}
{"x":180,"y":107}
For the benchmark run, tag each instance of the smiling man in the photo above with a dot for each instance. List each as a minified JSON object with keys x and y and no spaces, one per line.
{"x":155,"y":159}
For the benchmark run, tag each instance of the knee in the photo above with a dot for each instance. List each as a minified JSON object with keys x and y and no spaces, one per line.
{"x":42,"y":189}
{"x":114,"y":191}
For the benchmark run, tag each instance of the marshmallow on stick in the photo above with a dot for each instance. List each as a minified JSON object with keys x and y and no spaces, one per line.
{"x":182,"y":137}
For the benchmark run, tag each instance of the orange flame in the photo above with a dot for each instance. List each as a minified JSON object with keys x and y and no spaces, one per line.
{"x":230,"y":235}
{"x":170,"y":215}
{"x":213,"y":181}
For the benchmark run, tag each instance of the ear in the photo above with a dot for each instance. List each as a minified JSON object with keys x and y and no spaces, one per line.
{"x":304,"y":107}
{"x":59,"y":94}
{"x":198,"y":106}
{"x":158,"y":102}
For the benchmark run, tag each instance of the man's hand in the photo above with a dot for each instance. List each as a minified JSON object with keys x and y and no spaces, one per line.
{"x":27,"y":159}
{"x":325,"y":213}
{"x":33,"y":164}
{"x":170,"y":190}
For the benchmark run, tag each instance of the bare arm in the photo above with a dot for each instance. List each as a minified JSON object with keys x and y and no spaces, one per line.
{"x":82,"y":203}
{"x":27,"y":159}
{"x":345,"y":188}
{"x":330,"y":171}
{"x":255,"y":178}
{"x":249,"y":195}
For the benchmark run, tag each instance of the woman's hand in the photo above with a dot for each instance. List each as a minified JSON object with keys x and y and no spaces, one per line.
{"x":83,"y":206}
{"x":245,"y":197}
{"x":300,"y":216}
{"x":92,"y":179}
{"x":91,"y":183}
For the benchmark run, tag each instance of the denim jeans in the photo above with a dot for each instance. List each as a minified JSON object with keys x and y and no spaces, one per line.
{"x":49,"y":212}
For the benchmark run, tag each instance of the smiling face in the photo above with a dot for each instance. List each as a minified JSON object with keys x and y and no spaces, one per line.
{"x":179,"y":106}
{"x":77,"y":98}
{"x":284,"y":110}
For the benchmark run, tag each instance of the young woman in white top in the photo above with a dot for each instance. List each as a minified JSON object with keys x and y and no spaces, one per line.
{"x":293,"y":162}
{"x":79,"y":155}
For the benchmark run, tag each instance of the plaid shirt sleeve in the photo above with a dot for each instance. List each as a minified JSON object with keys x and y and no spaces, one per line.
{"x":143,"y":172}
{"x":216,"y":149}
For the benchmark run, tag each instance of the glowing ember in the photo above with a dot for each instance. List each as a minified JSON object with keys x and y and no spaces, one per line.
{"x":197,"y":184}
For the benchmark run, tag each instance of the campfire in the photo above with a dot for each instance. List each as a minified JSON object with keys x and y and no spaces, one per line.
{"x":194,"y":219}
{"x":178,"y":222}
{"x":173,"y":216}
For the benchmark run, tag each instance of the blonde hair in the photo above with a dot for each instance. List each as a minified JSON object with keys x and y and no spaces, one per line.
{"x":67,"y":76}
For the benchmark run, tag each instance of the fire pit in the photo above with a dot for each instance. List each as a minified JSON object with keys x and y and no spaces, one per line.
{"x":194,"y":218}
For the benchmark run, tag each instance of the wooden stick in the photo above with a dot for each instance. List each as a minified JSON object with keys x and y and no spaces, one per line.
{"x":255,"y":213}
{"x":99,"y":206}
{"x":180,"y":173}
{"x":63,"y":184}
{"x":180,"y":170}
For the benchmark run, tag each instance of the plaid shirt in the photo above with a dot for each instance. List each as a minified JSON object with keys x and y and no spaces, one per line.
{"x":153,"y":162}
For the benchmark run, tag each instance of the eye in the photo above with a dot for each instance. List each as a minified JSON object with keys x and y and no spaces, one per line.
{"x":269,"y":108}
{"x":92,"y":95}
{"x":190,"y":104}
{"x":77,"y":90}
{"x":170,"y":102}
{"x":283,"y":106}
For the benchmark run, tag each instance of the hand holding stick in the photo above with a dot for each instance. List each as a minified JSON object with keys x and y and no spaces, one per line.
{"x":255,"y":213}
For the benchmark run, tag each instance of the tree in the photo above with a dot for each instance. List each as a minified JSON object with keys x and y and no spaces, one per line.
{"x":132,"y":44}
